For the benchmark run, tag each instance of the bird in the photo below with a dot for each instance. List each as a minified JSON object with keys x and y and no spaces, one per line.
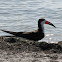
{"x":35,"y":35}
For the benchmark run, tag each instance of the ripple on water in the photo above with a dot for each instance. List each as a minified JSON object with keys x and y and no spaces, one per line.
{"x":22,"y":15}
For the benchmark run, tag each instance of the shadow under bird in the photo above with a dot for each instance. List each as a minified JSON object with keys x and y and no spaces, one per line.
{"x":34,"y":35}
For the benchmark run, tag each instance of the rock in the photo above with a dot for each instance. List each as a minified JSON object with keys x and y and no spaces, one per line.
{"x":10,"y":40}
{"x":60,"y":43}
{"x":49,"y":46}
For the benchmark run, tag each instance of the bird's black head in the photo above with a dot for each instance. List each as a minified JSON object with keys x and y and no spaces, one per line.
{"x":40,"y":20}
{"x":43,"y":21}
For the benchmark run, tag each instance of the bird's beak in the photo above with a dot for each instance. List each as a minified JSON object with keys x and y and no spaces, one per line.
{"x":47,"y":22}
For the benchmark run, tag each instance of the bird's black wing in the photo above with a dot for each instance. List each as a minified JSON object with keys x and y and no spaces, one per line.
{"x":28,"y":35}
{"x":33,"y":36}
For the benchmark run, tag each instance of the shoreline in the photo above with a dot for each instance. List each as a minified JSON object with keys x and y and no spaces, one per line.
{"x":17,"y":44}
{"x":13,"y":49}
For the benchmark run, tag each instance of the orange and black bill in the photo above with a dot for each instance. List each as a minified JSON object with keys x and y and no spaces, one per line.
{"x":47,"y":22}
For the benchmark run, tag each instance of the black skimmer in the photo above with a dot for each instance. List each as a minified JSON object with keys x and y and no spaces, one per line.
{"x":34,"y":35}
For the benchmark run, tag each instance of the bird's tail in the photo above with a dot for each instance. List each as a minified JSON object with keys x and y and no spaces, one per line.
{"x":13,"y":33}
{"x":10,"y":32}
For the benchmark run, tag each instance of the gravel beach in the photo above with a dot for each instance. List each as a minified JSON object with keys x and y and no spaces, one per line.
{"x":14,"y":49}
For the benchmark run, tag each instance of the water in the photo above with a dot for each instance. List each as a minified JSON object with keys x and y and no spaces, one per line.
{"x":23,"y":15}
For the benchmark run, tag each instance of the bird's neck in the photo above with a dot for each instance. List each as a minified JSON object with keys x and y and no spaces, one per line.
{"x":41,"y":28}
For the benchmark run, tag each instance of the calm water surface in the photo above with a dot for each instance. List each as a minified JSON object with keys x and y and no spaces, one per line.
{"x":23,"y":15}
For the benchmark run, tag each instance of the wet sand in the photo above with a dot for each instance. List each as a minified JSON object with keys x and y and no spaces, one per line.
{"x":13,"y":49}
